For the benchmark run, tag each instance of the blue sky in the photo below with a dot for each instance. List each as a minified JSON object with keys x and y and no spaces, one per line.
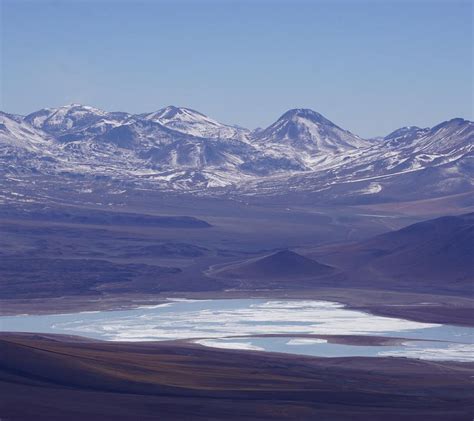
{"x":369,"y":66}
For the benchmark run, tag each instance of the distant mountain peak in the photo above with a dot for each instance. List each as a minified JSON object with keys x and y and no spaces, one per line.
{"x":407,"y":132}
{"x":173,"y":112}
{"x":458,"y":120}
{"x":195,"y":123}
{"x":305,"y":113}
{"x":454,"y":123}
{"x":65,"y":118}
{"x":307,"y":131}
{"x":77,"y":107}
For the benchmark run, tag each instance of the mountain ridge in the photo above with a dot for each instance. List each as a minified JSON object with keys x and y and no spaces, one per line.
{"x":180,"y":149}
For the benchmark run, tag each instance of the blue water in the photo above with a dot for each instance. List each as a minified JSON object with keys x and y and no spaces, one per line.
{"x":218,"y":322}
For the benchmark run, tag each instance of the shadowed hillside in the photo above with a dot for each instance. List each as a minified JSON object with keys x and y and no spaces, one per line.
{"x":70,"y":378}
{"x":441,"y":248}
{"x":431,"y":256}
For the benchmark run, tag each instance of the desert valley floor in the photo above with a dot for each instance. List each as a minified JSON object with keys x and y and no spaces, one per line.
{"x":119,"y":274}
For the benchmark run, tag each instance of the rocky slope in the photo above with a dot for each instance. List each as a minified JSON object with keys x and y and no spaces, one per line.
{"x":179,"y":149}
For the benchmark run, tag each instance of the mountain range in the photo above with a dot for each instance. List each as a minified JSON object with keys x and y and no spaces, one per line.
{"x":179,"y":149}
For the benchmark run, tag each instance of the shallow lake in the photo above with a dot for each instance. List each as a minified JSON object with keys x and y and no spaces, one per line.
{"x":216,"y":323}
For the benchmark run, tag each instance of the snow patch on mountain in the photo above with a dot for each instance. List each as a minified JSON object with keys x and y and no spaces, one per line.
{"x":182,"y":149}
{"x":188,"y":121}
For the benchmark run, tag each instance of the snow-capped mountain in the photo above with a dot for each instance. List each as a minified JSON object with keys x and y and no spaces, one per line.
{"x":306,"y":139}
{"x":14,"y":132}
{"x":72,"y":117}
{"x":433,"y":162}
{"x":89,"y":141}
{"x":181,"y":149}
{"x":307,"y":130}
{"x":448,"y":136}
{"x":194,"y":123}
{"x":22,"y":146}
{"x":406,"y":133}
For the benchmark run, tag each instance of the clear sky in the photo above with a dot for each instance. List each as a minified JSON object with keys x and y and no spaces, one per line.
{"x":369,"y":66}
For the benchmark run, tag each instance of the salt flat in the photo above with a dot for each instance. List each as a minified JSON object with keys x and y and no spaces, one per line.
{"x":261,"y":325}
